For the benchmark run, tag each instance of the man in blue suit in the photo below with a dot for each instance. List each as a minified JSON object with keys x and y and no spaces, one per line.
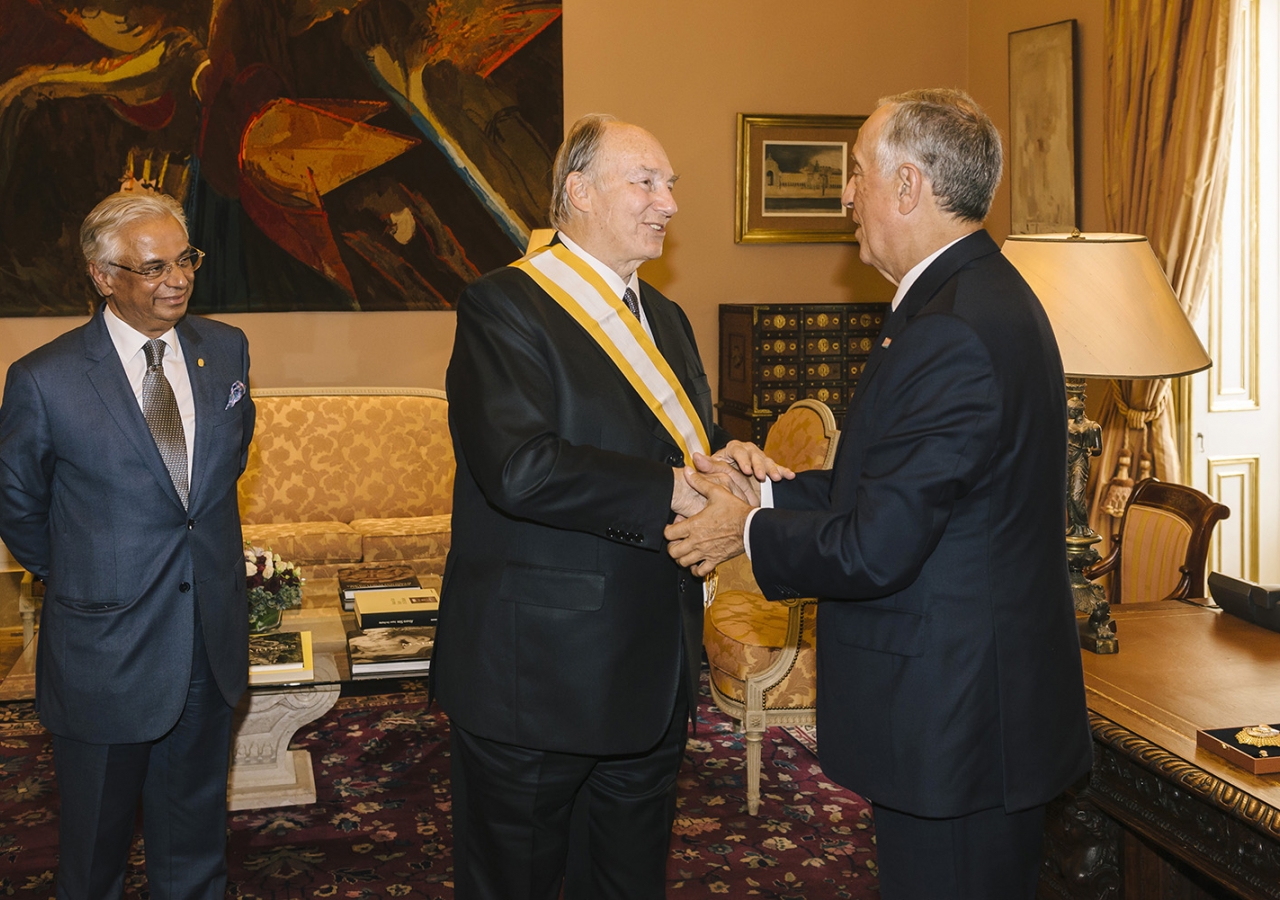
{"x":120,"y":445}
{"x":950,"y":691}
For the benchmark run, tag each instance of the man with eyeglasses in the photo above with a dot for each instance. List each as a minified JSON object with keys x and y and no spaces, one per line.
{"x":120,"y":445}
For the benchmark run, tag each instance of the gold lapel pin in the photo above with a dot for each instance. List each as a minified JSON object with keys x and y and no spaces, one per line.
{"x":200,"y":362}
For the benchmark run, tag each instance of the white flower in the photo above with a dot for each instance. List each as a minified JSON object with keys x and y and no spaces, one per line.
{"x":270,"y":569}
{"x":250,"y":568}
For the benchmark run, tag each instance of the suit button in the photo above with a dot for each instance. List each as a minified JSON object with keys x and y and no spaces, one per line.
{"x":191,"y":523}
{"x":610,"y":532}
{"x":184,"y":587}
{"x":675,"y":459}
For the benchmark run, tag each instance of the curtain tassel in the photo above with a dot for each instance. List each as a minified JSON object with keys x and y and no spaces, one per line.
{"x":1120,"y":487}
{"x":1144,"y":465}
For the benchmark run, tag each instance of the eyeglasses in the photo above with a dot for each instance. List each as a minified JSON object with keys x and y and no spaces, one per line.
{"x":187,"y":262}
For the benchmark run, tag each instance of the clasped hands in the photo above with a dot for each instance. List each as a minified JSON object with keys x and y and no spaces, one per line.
{"x":712,"y":501}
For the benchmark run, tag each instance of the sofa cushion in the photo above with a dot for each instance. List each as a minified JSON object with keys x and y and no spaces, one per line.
{"x":326,"y":457}
{"x":308,"y":543}
{"x":393,"y":540}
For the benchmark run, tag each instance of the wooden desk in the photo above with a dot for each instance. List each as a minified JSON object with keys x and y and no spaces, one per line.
{"x":1161,"y":817}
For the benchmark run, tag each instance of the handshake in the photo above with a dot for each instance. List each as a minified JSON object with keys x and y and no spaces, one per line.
{"x":712,"y":501}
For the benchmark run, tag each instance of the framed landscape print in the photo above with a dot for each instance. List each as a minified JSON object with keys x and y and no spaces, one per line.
{"x":1042,"y":134}
{"x":791,"y":173}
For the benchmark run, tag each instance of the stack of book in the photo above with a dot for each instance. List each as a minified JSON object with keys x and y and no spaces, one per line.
{"x":396,"y":606}
{"x":395,"y":633}
{"x":373,"y":578}
{"x":377,"y":652}
{"x":281,"y":657}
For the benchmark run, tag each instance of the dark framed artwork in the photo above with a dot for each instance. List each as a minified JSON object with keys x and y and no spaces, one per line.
{"x":336,"y":155}
{"x":791,"y":173}
{"x":1042,"y":129}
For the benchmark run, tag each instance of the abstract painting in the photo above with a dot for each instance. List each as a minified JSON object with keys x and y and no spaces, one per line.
{"x":330,"y":154}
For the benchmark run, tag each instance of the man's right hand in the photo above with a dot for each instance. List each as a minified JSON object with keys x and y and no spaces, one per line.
{"x":726,"y":473}
{"x":686,"y":500}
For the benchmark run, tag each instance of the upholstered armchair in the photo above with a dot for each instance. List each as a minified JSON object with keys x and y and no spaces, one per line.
{"x":1160,"y":549}
{"x":761,"y":653}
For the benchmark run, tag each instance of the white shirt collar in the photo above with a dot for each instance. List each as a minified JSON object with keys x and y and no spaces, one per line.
{"x":128,"y":340}
{"x":917,"y":270}
{"x":611,"y":278}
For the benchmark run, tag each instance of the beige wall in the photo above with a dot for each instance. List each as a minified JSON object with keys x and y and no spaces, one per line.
{"x":988,"y":79}
{"x":684,"y":69}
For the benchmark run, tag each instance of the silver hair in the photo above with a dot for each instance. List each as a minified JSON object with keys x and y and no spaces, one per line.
{"x":576,"y":154}
{"x":100,"y":232}
{"x":953,"y":142}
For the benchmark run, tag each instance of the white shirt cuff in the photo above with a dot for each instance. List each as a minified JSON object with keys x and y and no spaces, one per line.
{"x":766,"y":502}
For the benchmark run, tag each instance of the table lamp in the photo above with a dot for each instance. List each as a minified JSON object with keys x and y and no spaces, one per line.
{"x":1114,"y":315}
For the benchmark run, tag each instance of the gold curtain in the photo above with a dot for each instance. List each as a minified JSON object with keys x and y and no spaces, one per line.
{"x":1166,"y":126}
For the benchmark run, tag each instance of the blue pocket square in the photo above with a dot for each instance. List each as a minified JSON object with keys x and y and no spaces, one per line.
{"x":237,"y":391}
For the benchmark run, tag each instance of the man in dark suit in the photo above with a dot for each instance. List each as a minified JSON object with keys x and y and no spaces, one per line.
{"x":950,"y":691}
{"x":568,"y":647}
{"x":120,"y":445}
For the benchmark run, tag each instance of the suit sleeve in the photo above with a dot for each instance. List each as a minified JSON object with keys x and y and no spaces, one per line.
{"x":503,"y":412}
{"x":808,"y":490}
{"x":935,"y":420}
{"x":26,"y":471}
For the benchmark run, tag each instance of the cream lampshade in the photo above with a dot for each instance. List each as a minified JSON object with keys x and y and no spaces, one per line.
{"x":1111,"y":306}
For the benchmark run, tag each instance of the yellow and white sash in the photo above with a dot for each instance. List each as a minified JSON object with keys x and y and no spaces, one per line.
{"x":583,"y":294}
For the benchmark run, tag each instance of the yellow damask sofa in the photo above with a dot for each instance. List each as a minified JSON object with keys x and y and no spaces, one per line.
{"x":338,"y":476}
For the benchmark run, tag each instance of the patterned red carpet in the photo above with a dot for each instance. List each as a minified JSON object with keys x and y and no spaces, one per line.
{"x":380,"y":826}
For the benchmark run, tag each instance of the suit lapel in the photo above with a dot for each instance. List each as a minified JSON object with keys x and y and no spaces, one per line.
{"x":201,"y":379}
{"x":939,"y":272}
{"x":669,"y":338}
{"x":106,"y":374}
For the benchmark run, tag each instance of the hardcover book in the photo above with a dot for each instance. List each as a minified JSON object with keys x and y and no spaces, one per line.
{"x":385,"y":651}
{"x":393,"y":607}
{"x":280,"y":657}
{"x":373,"y":578}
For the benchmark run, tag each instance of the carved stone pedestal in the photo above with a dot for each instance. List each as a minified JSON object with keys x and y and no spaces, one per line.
{"x":264,"y":771}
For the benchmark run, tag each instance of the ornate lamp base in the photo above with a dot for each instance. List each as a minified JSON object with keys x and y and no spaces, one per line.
{"x":1093,"y":612}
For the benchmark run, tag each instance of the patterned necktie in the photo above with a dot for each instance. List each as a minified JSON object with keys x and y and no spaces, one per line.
{"x":629,"y":298}
{"x":160,"y":410}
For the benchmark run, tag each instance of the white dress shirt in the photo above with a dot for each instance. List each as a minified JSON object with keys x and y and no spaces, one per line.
{"x":129,"y":343}
{"x":611,"y":278}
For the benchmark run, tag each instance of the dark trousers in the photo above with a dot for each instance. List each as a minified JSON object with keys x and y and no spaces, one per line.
{"x":512,"y":808}
{"x":987,"y":855}
{"x":182,"y":782}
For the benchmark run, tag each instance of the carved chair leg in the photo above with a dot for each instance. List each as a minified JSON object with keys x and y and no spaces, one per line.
{"x":754,"y":739}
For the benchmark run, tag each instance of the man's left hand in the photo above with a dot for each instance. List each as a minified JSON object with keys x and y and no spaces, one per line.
{"x":750,"y":460}
{"x":702,"y":542}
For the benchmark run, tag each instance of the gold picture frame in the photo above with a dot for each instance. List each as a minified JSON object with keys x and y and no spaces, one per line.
{"x":791,"y":172}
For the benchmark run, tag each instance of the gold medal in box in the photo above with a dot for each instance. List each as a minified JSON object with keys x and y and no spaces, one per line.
{"x":1259,"y":736}
{"x":1255,"y":748}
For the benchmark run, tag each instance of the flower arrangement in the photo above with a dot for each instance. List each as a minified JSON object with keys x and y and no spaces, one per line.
{"x":274,"y":585}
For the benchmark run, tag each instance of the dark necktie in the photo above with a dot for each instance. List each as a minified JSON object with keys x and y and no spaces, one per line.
{"x":629,"y":298}
{"x":160,"y":410}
